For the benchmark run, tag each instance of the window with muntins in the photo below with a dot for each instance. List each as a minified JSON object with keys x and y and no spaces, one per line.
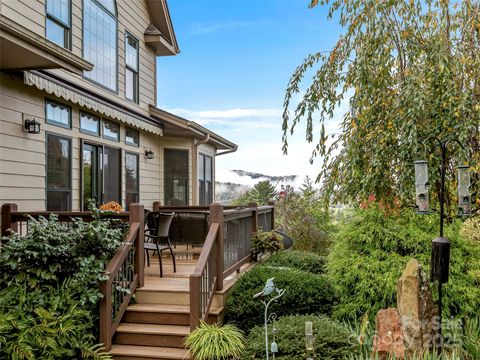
{"x":131,"y":178}
{"x":58,"y":23}
{"x":205,"y":179}
{"x":100,"y":42}
{"x":131,"y":68}
{"x":59,"y":185}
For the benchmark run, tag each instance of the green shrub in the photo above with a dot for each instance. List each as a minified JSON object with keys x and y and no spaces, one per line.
{"x":49,"y":289}
{"x":332,"y":339}
{"x":305,"y":218}
{"x":214,"y":342}
{"x":300,"y":260}
{"x":371,"y":251}
{"x":305,"y":293}
{"x":266,"y":242}
{"x":471,"y":228}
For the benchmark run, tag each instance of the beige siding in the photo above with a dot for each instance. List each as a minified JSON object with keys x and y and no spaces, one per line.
{"x":132,"y":17}
{"x":23,"y":157}
{"x":28,"y":13}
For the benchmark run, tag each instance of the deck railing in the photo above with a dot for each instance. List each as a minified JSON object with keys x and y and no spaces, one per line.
{"x":125,"y":271}
{"x":226,"y":249}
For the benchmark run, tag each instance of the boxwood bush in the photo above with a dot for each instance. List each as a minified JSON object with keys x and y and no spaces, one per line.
{"x":372,"y":249}
{"x":300,"y":260}
{"x":332,"y":339}
{"x":305,"y":293}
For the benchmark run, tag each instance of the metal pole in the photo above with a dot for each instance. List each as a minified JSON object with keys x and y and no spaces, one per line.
{"x":442,"y":184}
{"x":266,"y":329}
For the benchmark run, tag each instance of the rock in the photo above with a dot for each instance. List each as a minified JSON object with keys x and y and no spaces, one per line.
{"x":415,"y":306}
{"x":388,"y":340}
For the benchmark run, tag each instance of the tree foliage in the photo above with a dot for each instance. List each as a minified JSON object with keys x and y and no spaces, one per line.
{"x":261,"y":194}
{"x":409,"y":70}
{"x":303,"y":216}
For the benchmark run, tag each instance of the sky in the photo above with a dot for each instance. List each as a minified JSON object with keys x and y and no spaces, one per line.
{"x":236,"y":59}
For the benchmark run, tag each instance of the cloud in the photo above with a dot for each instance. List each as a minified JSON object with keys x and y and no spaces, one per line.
{"x":205,"y":29}
{"x":235,"y":119}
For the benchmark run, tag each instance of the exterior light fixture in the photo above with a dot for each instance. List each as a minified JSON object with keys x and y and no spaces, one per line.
{"x":309,"y":339}
{"x":421,"y":186}
{"x":149,"y":154}
{"x":464,"y":196}
{"x":31,"y":126}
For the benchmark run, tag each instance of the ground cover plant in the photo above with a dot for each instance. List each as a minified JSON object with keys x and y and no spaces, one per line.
{"x":49,"y":289}
{"x":300,"y":260}
{"x":371,"y":251}
{"x":333,"y":339}
{"x":305,"y":293}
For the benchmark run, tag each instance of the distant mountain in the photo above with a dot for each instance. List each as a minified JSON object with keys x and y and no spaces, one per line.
{"x":226,"y":192}
{"x":272,"y":179}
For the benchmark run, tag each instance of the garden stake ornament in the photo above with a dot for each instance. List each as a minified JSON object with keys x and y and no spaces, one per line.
{"x":269,"y":289}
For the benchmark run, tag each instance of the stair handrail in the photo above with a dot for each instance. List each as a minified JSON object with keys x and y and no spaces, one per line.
{"x":204,"y":278}
{"x":125,"y":273}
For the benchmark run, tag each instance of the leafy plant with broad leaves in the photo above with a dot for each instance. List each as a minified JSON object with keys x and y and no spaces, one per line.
{"x":266,"y":242}
{"x":49,"y":289}
{"x":403,"y":71}
{"x":215,"y":342}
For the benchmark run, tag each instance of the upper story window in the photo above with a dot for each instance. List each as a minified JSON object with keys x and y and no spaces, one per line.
{"x":100,"y":41}
{"x":131,"y":68}
{"x":58,"y":26}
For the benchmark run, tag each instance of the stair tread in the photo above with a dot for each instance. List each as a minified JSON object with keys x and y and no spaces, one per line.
{"x":153,"y":329}
{"x":165,"y":308}
{"x":149,"y":351}
{"x":166,"y":284}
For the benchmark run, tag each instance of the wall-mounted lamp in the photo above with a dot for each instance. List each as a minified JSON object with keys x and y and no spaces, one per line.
{"x":149,"y":154}
{"x":31,"y":126}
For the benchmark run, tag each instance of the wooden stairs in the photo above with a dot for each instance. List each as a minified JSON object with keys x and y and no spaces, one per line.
{"x":156,"y":325}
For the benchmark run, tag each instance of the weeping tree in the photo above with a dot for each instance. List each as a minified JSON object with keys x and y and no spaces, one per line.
{"x":408,"y":70}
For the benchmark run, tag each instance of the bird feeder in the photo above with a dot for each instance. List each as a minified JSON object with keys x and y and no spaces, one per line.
{"x":440,"y":260}
{"x":464,"y":196}
{"x":421,"y":186}
{"x":309,"y":339}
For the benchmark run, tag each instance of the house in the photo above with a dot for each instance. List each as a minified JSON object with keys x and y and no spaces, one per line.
{"x":78,"y":119}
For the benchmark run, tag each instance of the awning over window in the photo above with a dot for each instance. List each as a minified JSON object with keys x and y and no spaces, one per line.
{"x":87,"y":101}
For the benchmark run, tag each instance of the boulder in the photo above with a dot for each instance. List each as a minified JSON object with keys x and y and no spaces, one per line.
{"x":415,"y":306}
{"x":388,"y":340}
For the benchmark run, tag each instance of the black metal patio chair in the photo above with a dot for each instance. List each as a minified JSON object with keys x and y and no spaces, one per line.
{"x":157,"y":237}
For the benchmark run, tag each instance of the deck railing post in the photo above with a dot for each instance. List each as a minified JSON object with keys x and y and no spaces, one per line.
{"x":156,"y":205}
{"x":7,"y":224}
{"x":254,"y":207}
{"x":106,"y":314}
{"x":272,"y":214}
{"x":194,"y":302}
{"x":137,"y":215}
{"x":216,"y":216}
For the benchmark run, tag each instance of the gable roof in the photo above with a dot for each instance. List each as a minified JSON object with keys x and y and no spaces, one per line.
{"x":160,"y":33}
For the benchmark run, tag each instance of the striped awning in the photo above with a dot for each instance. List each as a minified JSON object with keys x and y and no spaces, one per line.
{"x":87,"y":101}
